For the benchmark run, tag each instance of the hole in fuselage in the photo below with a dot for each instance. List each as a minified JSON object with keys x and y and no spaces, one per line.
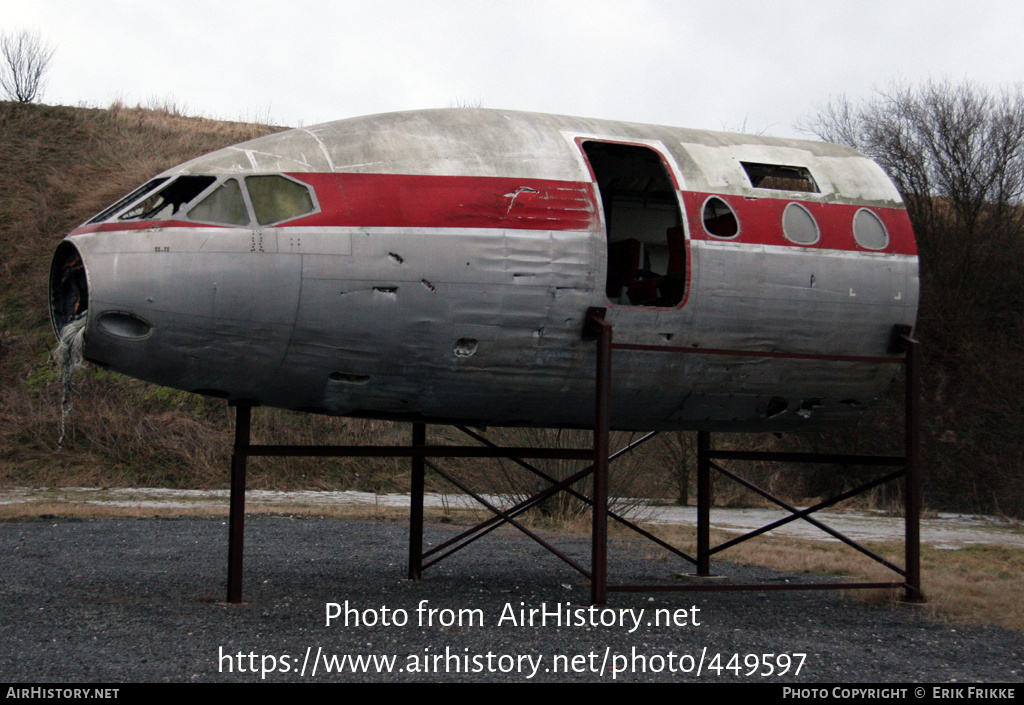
{"x":347,"y":378}
{"x":69,"y":291}
{"x":776,"y":406}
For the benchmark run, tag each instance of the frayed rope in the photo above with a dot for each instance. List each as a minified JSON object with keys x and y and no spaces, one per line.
{"x":68,"y":358}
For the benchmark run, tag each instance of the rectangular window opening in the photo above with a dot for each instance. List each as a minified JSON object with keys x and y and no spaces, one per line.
{"x":780,"y":177}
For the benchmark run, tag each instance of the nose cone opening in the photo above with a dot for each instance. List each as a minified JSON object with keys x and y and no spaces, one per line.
{"x":69,"y":290}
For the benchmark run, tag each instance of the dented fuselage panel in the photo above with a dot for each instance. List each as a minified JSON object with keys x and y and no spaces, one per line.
{"x":439,"y":265}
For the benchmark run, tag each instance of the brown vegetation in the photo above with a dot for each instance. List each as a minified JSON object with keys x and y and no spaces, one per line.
{"x":977,"y":584}
{"x":59,"y":166}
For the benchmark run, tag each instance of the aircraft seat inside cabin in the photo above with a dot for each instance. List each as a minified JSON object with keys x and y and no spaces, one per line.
{"x":624,"y":260}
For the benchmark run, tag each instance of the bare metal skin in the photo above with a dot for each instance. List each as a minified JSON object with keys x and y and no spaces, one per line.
{"x":442,"y":264}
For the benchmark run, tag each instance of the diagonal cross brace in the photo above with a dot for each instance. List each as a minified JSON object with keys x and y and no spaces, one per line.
{"x":805,"y":515}
{"x":583,"y":498}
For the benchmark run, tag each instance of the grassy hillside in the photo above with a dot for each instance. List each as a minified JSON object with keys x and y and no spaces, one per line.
{"x":60,"y":165}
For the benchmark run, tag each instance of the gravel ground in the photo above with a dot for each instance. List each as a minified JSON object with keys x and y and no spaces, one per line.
{"x":140,"y":600}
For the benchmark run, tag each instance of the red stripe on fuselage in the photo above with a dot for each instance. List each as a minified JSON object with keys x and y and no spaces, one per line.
{"x":418,"y":201}
{"x":412,"y":201}
{"x":760,"y":221}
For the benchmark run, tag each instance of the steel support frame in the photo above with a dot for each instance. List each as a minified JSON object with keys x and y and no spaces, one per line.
{"x":418,"y":452}
{"x":902,"y":342}
{"x":598,"y":329}
{"x":236,"y":512}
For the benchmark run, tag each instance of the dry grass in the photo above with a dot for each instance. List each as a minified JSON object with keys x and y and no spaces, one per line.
{"x":126,"y":433}
{"x":60,"y":166}
{"x":977,"y":584}
{"x":86,"y":510}
{"x":973,"y":585}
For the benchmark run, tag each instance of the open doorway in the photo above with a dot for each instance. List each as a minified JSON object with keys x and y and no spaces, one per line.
{"x":646,"y":245}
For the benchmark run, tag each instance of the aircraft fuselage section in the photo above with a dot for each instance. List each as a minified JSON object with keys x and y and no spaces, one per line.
{"x":351,"y":287}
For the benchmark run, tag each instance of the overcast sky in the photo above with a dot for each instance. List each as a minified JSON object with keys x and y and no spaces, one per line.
{"x":741,"y":66}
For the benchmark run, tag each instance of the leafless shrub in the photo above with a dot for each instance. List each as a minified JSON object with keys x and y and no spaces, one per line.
{"x":680,"y":449}
{"x":633,"y":478}
{"x":25,"y":60}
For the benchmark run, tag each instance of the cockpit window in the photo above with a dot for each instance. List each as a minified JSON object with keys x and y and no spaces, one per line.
{"x":224,"y":205}
{"x":166,"y":202}
{"x":275,"y":198}
{"x":133,"y":196}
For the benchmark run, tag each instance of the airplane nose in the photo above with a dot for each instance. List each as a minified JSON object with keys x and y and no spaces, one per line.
{"x":69,"y":287}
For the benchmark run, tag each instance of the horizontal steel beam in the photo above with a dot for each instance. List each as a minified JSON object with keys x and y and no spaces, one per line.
{"x":719,"y":587}
{"x":755,"y":353}
{"x":822,"y":458}
{"x":425,"y":451}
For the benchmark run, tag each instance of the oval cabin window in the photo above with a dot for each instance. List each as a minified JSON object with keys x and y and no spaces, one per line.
{"x":719,"y":220}
{"x":869,"y":231}
{"x":799,"y":225}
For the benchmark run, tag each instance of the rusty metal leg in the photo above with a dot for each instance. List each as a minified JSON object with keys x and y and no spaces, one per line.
{"x":419,"y":438}
{"x":599,"y":530}
{"x":703,"y":503}
{"x":912,"y":481}
{"x":236,"y":521}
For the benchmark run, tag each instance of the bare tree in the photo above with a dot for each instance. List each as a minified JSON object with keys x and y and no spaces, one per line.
{"x":955,"y":152}
{"x":24,"y":59}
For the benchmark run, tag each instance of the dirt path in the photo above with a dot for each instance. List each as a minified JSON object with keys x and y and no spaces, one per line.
{"x":942,"y":530}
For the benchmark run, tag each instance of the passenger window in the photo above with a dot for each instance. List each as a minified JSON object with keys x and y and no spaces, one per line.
{"x":799,"y":225}
{"x":869,"y":231}
{"x":719,"y":220}
{"x":275,"y":198}
{"x":166,"y":202}
{"x":225,"y":205}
